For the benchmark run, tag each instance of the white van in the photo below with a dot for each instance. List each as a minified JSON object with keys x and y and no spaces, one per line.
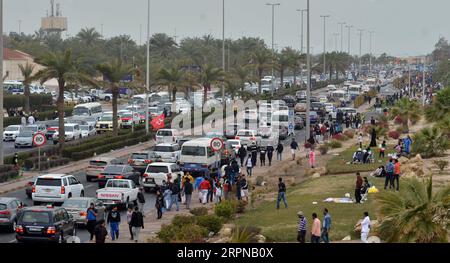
{"x":168,"y":136}
{"x":198,"y":158}
{"x":280,"y":118}
{"x":56,"y":188}
{"x":88,"y":109}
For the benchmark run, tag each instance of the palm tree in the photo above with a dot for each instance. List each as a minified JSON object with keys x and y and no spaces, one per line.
{"x":162,"y":44}
{"x":62,"y":67}
{"x":114,"y":71}
{"x":430,"y":142}
{"x":174,"y":78}
{"x":208,"y":76}
{"x":88,"y":36}
{"x":242,"y":74}
{"x":444,"y":125}
{"x":408,"y":111}
{"x":27,"y":72}
{"x":415,"y":214}
{"x":440,"y":107}
{"x":285,"y":60}
{"x":262,"y":60}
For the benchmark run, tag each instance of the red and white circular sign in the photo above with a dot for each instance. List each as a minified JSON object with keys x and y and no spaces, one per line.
{"x":217,"y":144}
{"x":39,"y":139}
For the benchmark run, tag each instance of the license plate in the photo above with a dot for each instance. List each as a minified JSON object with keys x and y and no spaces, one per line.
{"x":34,"y":229}
{"x":47,"y":190}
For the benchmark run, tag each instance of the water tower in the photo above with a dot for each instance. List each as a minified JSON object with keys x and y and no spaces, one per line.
{"x":54,"y":22}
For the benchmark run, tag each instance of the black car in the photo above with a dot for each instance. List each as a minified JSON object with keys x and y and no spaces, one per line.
{"x":118,"y":172}
{"x":290,"y":101}
{"x":44,"y":224}
{"x":319,"y":108}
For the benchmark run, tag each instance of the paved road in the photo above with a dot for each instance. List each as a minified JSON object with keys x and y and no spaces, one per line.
{"x":8,"y":148}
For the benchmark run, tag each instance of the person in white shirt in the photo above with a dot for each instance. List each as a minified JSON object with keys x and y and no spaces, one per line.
{"x":23,"y":120}
{"x":249,"y":166}
{"x":31,"y":120}
{"x":365,"y":227}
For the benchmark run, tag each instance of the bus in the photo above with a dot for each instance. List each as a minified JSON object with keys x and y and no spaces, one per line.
{"x":354,"y":91}
{"x":93,"y":109}
{"x":198,"y":158}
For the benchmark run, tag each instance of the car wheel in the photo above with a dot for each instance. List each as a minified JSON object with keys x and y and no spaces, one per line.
{"x":69,"y":196}
{"x":107,"y":98}
{"x":147,"y":189}
{"x":36,"y":203}
{"x":89,"y":179}
{"x":82,"y":193}
{"x":55,"y":142}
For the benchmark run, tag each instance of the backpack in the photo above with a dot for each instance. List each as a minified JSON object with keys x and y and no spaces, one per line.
{"x":281,"y":187}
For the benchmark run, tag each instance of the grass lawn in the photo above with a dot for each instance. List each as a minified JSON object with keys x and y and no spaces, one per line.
{"x":281,"y":225}
{"x":338,"y":164}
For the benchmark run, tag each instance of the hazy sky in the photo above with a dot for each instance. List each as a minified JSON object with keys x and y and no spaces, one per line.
{"x":402,"y":27}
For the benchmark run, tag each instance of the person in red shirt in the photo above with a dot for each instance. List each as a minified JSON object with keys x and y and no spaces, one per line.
{"x":204,"y":188}
{"x":397,"y":172}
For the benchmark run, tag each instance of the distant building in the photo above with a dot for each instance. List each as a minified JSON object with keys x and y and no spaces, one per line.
{"x":11,"y":61}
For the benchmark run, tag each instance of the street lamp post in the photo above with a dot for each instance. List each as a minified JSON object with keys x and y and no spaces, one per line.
{"x":223,"y":51}
{"x":147,"y":84}
{"x":349,"y":33}
{"x":370,"y":43}
{"x":308,"y":63}
{"x":324,"y":42}
{"x":301,"y":28}
{"x":336,"y":41}
{"x":360,"y":48}
{"x":273,"y":37}
{"x":342,"y":35}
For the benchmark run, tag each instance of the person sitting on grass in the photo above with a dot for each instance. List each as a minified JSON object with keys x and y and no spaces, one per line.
{"x":357,"y":156}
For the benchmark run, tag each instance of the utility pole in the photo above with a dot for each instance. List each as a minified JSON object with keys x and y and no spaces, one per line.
{"x":308,"y":62}
{"x":1,"y":82}
{"x":301,"y":28}
{"x":370,"y":46}
{"x":101,"y":29}
{"x":349,"y":33}
{"x":336,"y":41}
{"x":140,"y":34}
{"x":342,"y":35}
{"x":360,"y":48}
{"x":273,"y":39}
{"x":324,"y":42}
{"x":147,"y":80}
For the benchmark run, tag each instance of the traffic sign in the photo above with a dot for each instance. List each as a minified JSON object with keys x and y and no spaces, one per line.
{"x":39,"y":139}
{"x":217,"y":144}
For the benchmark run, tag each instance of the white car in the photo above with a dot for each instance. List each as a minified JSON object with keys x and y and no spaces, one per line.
{"x":168,"y":136}
{"x":248,"y":137}
{"x":87,"y":130}
{"x":235,"y":144}
{"x":11,"y":132}
{"x":329,"y":107}
{"x":118,"y":192}
{"x":55,"y":188}
{"x":169,"y":152}
{"x":156,"y":173}
{"x":72,"y":132}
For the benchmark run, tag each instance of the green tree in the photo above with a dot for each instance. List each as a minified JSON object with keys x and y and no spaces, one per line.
{"x":262,"y":60}
{"x":408,"y":111}
{"x":65,"y":69}
{"x":415,"y":214}
{"x":114,"y":71}
{"x":88,"y":36}
{"x":173,"y":78}
{"x":163,"y":45}
{"x":27,"y":74}
{"x":440,"y":107}
{"x":285,"y":60}
{"x":241,"y":74}
{"x":430,"y":142}
{"x":209,"y":75}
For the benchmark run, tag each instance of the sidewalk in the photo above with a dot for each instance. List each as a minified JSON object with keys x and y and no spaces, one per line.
{"x":72,"y":167}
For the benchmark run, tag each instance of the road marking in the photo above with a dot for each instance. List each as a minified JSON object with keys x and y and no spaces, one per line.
{"x":12,"y":241}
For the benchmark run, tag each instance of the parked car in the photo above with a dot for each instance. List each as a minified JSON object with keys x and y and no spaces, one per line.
{"x":11,"y":132}
{"x":44,"y":224}
{"x":9,"y":209}
{"x":97,"y":165}
{"x":118,"y":171}
{"x":24,"y":139}
{"x":169,"y":152}
{"x":77,"y":208}
{"x":118,"y":192}
{"x":140,"y":160}
{"x":56,"y":188}
{"x":156,"y":173}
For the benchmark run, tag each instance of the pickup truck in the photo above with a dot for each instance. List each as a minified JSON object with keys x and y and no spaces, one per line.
{"x":101,"y":95}
{"x":118,"y":192}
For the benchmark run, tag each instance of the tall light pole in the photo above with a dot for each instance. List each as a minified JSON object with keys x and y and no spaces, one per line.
{"x":336,"y":41}
{"x":20,"y":24}
{"x":308,"y":63}
{"x":349,"y":35}
{"x":342,"y":35}
{"x":223,"y":52}
{"x":147,"y":80}
{"x":1,"y":82}
{"x":301,"y":28}
{"x":273,"y":36}
{"x":324,"y":42}
{"x":360,"y":49}
{"x":140,"y":34}
{"x":370,"y":47}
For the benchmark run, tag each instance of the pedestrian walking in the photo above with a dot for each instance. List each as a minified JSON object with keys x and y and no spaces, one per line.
{"x":312,"y":157}
{"x":396,"y":178}
{"x":100,"y":232}
{"x":270,"y":151}
{"x":175,"y":190}
{"x":23,"y":120}
{"x":326,"y":226}
{"x":407,"y":145}
{"x":210,"y":190}
{"x":16,"y":161}
{"x":389,"y":174}
{"x":91,"y":216}
{"x":262,"y":157}
{"x":238,"y":188}
{"x":218,"y":192}
{"x":382,"y":149}
{"x":315,"y":230}
{"x":129,"y":215}
{"x":227,"y":187}
{"x":31,"y":120}
{"x":280,"y":149}
{"x":244,"y":188}
{"x":137,"y":223}
{"x":358,"y":186}
{"x":187,"y":190}
{"x":249,"y":166}
{"x":281,"y":193}
{"x":114,"y":222}
{"x":159,"y":204}
{"x":365,"y":227}
{"x":204,"y":189}
{"x":301,"y":235}
{"x":294,"y":148}
{"x":101,"y":212}
{"x":141,"y":199}
{"x":242,"y":153}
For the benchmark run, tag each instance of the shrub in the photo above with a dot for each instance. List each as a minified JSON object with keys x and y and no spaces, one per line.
{"x":441,"y":165}
{"x":241,"y":235}
{"x":240,"y":206}
{"x":224,"y":210}
{"x":191,"y":234}
{"x":259,"y":180}
{"x":394,"y":135}
{"x":7,"y":172}
{"x":349,"y":133}
{"x":430,"y":142}
{"x":180,"y":220}
{"x":168,"y":233}
{"x":199,"y":211}
{"x":398,"y":120}
{"x":340,"y":137}
{"x":211,"y":222}
{"x":335,"y":144}
{"x":323,"y":149}
{"x":359,"y":101}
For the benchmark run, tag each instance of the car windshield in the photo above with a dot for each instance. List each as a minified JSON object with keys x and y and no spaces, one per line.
{"x":106,"y":118}
{"x":232,"y":143}
{"x":30,"y":129}
{"x":2,"y":207}
{"x":72,"y":203}
{"x":161,"y":148}
{"x":84,"y":127}
{"x":80,"y":111}
{"x":53,"y":124}
{"x":193,"y":151}
{"x":36,"y":217}
{"x":164,"y":133}
{"x":97,"y":163}
{"x":139,"y":156}
{"x":48,"y":182}
{"x":157,"y":169}
{"x":127,"y":115}
{"x":69,"y":128}
{"x":25,"y":134}
{"x":12,"y":128}
{"x":113,"y":169}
